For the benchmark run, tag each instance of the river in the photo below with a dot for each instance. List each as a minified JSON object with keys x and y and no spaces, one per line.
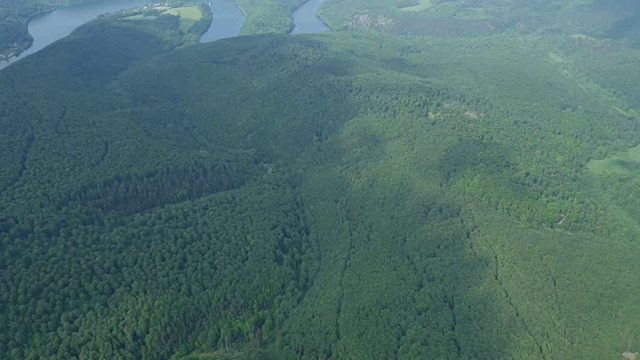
{"x":226,"y":22}
{"x":305,"y":19}
{"x":47,"y":28}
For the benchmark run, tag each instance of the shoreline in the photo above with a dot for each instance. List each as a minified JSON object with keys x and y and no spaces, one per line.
{"x":15,"y":52}
{"x":241,"y":9}
{"x":315,"y":13}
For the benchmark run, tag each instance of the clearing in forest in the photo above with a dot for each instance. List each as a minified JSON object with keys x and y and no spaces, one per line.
{"x":619,"y":163}
{"x":421,"y":5}
{"x":188,"y":15}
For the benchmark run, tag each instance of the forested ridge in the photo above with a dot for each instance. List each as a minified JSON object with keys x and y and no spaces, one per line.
{"x":357,"y":194}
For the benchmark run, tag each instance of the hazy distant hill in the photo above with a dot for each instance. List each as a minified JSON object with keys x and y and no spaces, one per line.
{"x":344,"y":195}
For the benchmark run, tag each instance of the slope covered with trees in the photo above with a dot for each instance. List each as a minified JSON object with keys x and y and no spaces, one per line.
{"x":471,"y":18}
{"x":344,"y":195}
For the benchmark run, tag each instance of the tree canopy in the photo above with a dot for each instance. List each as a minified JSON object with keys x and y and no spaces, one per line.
{"x":352,"y":194}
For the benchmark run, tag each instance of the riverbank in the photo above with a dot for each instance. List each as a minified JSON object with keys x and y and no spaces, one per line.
{"x":48,"y":26}
{"x":19,"y":47}
{"x":241,"y":9}
{"x":306,"y":20}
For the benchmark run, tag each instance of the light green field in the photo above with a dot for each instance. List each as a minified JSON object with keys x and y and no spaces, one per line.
{"x":620,"y":163}
{"x":189,"y":15}
{"x":138,"y":17}
{"x":581,"y":37}
{"x":424,"y":4}
{"x":556,"y":58}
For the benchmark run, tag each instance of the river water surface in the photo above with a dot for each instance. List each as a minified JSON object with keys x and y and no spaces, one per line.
{"x":226,"y":22}
{"x":305,"y":19}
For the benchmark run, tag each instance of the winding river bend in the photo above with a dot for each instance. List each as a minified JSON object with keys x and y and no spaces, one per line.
{"x":227,"y":20}
{"x":305,"y":19}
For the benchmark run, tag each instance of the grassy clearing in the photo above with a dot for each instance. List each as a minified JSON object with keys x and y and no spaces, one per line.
{"x":556,"y":58}
{"x":424,"y":4}
{"x":189,"y":15}
{"x":620,"y":163}
{"x":581,"y":37}
{"x":138,"y":17}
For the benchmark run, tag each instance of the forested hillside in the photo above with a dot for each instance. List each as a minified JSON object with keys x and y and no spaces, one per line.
{"x":351,"y":195}
{"x":472,"y":18}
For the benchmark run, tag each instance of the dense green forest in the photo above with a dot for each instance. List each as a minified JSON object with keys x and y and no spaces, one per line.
{"x":356,"y":194}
